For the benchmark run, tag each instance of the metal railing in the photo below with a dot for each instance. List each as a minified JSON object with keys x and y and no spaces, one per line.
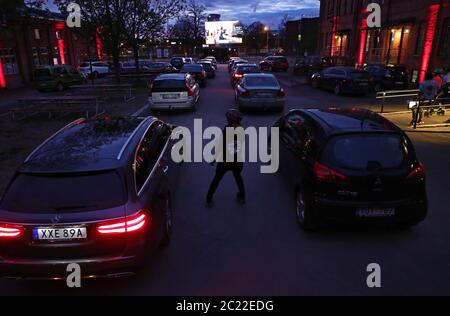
{"x":395,"y":94}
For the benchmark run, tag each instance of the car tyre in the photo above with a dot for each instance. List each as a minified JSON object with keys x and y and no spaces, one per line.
{"x":304,"y":211}
{"x":59,"y":87}
{"x":337,"y":89}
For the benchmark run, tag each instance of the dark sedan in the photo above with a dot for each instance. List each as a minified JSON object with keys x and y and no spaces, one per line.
{"x":208,"y":67}
{"x":350,"y":166}
{"x":308,"y":66}
{"x":342,"y":80}
{"x":274,"y":63}
{"x":97,"y":193}
{"x":197,"y":72}
{"x":241,"y":70}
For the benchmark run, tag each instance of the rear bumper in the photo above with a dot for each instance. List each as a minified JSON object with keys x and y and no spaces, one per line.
{"x":261,"y":103}
{"x":406,"y":212}
{"x":189,"y":104}
{"x":57,"y":269}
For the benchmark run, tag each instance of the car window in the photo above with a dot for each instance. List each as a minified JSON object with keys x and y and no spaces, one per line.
{"x":52,"y":193}
{"x":168,"y":85}
{"x":191,"y":67}
{"x":297,"y":129}
{"x":381,"y":150}
{"x":261,"y":82}
{"x":327,"y":71}
{"x":247,"y":69}
{"x":44,"y":72}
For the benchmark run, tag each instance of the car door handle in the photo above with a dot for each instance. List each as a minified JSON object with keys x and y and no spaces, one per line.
{"x":165,"y":169}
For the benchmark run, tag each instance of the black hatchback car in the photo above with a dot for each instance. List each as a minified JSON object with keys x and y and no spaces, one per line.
{"x":385,"y":77}
{"x":350,"y":166}
{"x":97,"y":193}
{"x":342,"y":80}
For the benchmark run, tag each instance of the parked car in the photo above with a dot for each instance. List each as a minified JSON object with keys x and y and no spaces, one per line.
{"x":342,"y":80}
{"x":241,"y":70}
{"x":274,"y":63}
{"x":235,"y":61}
{"x":56,"y":78}
{"x":259,"y":91}
{"x":197,"y":72}
{"x":160,"y":67}
{"x":309,"y":65}
{"x":384,"y":77}
{"x":178,"y":62}
{"x":99,"y":69}
{"x":174,"y":91}
{"x":189,"y":60}
{"x":208,"y":67}
{"x":213,"y":61}
{"x":231,"y":61}
{"x":350,"y":166}
{"x":97,"y":193}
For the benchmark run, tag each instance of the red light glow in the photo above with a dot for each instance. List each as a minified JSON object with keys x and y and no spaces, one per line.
{"x":60,"y":27}
{"x":433,"y":12}
{"x":134,"y":223}
{"x":362,"y":42}
{"x":333,"y":34}
{"x":2,"y":76}
{"x":98,"y":42}
{"x":9,"y":231}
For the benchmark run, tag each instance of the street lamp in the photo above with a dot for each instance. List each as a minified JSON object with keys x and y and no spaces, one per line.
{"x":266,"y":29}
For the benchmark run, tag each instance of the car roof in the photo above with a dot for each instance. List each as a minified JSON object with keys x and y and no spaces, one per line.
{"x":343,"y":120}
{"x":247,"y":65}
{"x":85,"y":146}
{"x":175,"y":76}
{"x":259,"y":75}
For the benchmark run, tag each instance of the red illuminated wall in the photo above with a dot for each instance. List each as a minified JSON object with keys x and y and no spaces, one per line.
{"x":60,"y":27}
{"x":2,"y":77}
{"x":362,"y":42}
{"x":99,"y":44}
{"x":433,"y":13}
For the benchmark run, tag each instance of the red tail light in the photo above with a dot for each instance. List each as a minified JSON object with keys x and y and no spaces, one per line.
{"x":150,"y":91}
{"x":324,"y":173}
{"x":417,"y":174}
{"x":10,"y":231}
{"x":237,"y":76}
{"x":281,"y":93}
{"x":125,"y":225}
{"x":245,"y":93}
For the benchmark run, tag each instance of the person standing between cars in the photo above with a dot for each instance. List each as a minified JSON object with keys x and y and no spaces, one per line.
{"x":229,"y":158}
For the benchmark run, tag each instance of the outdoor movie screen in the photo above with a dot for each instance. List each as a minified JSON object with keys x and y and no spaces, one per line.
{"x":223,"y":32}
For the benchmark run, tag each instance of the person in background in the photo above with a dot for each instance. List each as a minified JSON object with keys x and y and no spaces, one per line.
{"x":428,"y":90}
{"x":446,"y":77}
{"x":437,"y":77}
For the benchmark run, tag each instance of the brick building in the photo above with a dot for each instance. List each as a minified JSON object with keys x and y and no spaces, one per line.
{"x":302,"y":36}
{"x":36,"y":38}
{"x":413,"y":33}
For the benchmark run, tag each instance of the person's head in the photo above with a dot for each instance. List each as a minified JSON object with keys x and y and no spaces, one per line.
{"x":437,"y":72}
{"x":233,"y":117}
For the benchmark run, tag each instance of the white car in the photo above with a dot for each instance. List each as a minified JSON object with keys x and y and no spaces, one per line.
{"x":174,"y":91}
{"x":99,"y":69}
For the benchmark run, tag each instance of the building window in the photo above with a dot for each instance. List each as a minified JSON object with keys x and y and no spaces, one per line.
{"x":420,"y":38}
{"x":444,"y":50}
{"x":9,"y":61}
{"x":37,"y":34}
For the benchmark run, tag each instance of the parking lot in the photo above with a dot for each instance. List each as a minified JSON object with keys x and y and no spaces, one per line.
{"x":258,"y":248}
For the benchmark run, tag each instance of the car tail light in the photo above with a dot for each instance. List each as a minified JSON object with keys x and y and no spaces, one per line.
{"x":124,"y":225}
{"x":10,"y":231}
{"x":324,"y":173}
{"x":237,"y":76}
{"x":150,"y":91}
{"x":417,"y":174}
{"x":281,"y":93}
{"x":245,"y":93}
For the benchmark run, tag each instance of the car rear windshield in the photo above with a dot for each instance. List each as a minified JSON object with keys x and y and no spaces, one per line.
{"x":83,"y":65}
{"x":41,"y":73}
{"x":261,"y":82}
{"x":77,"y":193}
{"x":247,"y":69}
{"x":359,"y":75}
{"x":367,"y":151}
{"x":169,"y":85}
{"x":194,"y":68}
{"x":206,"y":66}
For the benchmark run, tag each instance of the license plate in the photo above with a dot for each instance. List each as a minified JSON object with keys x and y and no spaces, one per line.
{"x":170,"y":96}
{"x":62,"y":233}
{"x":264,"y":95}
{"x":375,"y":212}
{"x":399,"y":83}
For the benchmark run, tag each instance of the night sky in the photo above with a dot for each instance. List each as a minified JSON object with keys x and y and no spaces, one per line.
{"x":269,"y":12}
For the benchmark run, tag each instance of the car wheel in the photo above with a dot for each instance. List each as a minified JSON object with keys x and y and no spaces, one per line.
{"x":169,"y":221}
{"x":315,"y":84}
{"x":337,"y":89}
{"x":305,"y":217}
{"x":59,"y":87}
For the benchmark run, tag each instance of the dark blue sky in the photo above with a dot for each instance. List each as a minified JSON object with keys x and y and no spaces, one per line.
{"x":269,"y":12}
